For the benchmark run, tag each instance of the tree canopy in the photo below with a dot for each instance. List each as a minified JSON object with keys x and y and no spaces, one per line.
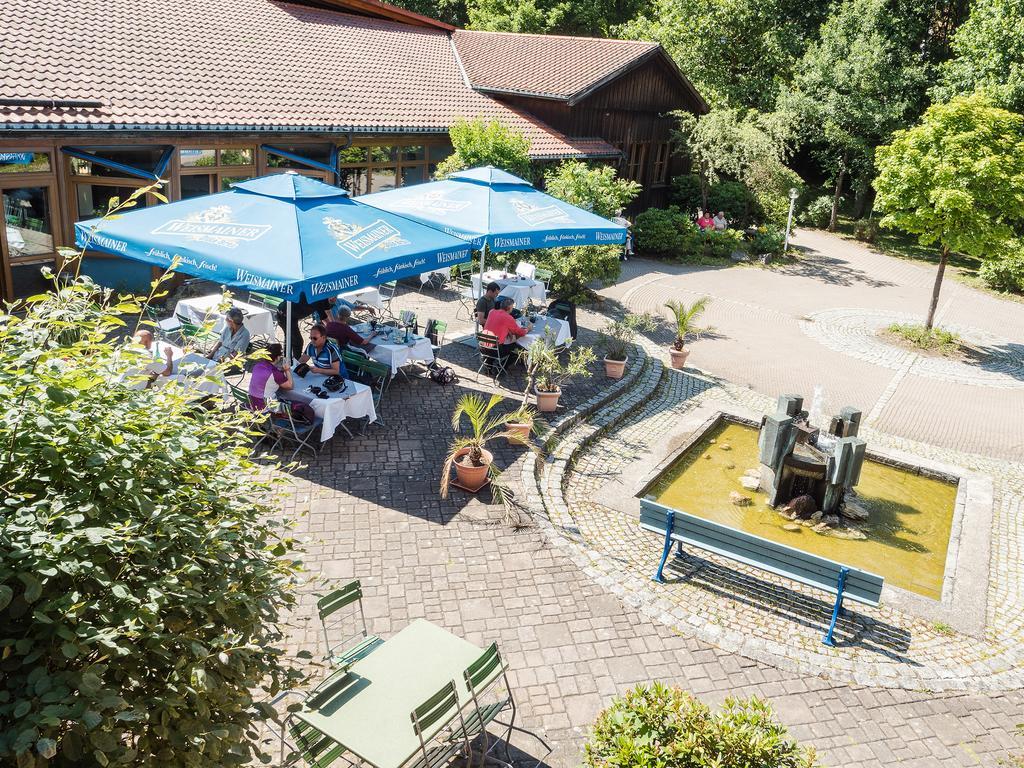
{"x":479,"y":143}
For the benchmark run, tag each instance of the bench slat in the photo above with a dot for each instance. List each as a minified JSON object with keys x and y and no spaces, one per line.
{"x":780,"y":559}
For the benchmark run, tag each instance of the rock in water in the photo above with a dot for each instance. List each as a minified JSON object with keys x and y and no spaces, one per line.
{"x":725,"y":447}
{"x":849,"y":533}
{"x":832,"y":521}
{"x":792,"y":527}
{"x":730,"y":465}
{"x":816,"y":517}
{"x":750,"y":483}
{"x":802,"y":506}
{"x":854,"y":510}
{"x":739,"y":499}
{"x":820,"y":528}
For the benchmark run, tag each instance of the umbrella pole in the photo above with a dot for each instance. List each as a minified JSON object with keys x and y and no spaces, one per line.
{"x":288,"y":331}
{"x":483,"y":258}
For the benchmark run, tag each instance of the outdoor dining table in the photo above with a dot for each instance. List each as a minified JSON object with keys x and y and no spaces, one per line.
{"x":369,"y":296}
{"x":196,"y":373}
{"x":521,"y":289}
{"x":370,"y":716}
{"x":544,"y":326}
{"x":393,"y":350}
{"x":353,"y":402}
{"x":202,"y":309}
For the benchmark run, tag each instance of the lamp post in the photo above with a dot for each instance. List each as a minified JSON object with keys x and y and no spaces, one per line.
{"x":789,"y":221}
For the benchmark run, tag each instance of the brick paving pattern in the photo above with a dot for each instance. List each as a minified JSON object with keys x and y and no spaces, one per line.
{"x":369,"y":508}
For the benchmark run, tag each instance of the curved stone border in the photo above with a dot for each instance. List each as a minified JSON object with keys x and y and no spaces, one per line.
{"x":854,"y":332}
{"x":993,"y":666}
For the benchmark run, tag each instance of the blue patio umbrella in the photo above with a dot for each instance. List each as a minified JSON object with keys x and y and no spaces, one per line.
{"x":494,"y":210}
{"x":282,"y":234}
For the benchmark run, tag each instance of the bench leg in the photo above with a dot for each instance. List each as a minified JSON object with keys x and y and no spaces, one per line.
{"x":669,"y":524}
{"x":837,"y":609}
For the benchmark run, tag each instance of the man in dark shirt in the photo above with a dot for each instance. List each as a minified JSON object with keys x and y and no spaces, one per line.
{"x":486,"y":302}
{"x":341,"y":331}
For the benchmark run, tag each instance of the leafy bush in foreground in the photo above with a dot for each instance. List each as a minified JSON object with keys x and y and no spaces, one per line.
{"x":818,"y":212}
{"x":1005,"y":272}
{"x":140,"y":580}
{"x":665,"y":727}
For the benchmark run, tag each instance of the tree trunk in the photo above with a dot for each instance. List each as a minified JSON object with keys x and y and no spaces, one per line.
{"x":936,"y":288}
{"x":835,"y":198}
{"x":860,"y":203}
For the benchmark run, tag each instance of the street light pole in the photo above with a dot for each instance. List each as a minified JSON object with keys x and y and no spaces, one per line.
{"x":789,"y":221}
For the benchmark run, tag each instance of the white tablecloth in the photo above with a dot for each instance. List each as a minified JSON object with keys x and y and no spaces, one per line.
{"x":202,"y":309}
{"x":559,"y":331}
{"x":369,"y":296}
{"x":355,"y":402}
{"x":397,"y":353}
{"x":196,"y":373}
{"x":517,"y":288}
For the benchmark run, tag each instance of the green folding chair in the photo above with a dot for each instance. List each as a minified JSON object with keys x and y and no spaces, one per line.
{"x":263,"y":300}
{"x":439,"y":742}
{"x":544,"y":275}
{"x":201,"y":336}
{"x":242,"y":400}
{"x":341,"y":652}
{"x":163,"y":328}
{"x":439,"y":328}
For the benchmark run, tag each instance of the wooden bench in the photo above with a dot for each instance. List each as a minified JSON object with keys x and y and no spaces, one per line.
{"x":835,"y":578}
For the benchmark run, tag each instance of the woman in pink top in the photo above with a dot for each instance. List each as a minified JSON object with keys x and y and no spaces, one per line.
{"x":704,"y":220}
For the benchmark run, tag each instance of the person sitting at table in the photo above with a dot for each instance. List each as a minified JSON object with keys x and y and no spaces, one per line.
{"x":322,"y":354}
{"x":163,"y":354}
{"x":234,"y":340}
{"x":485,"y":303}
{"x":336,"y":304}
{"x":502,"y":325}
{"x":341,"y":331}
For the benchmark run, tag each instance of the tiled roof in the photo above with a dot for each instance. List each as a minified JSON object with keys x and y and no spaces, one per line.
{"x":549,"y":66}
{"x":248,"y":64}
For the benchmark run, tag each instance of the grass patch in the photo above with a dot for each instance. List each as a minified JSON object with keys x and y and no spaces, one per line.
{"x":930,"y":340}
{"x":943,"y":628}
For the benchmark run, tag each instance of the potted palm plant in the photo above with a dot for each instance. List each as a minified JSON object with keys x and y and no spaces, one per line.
{"x":546,"y":372}
{"x":686,"y":317}
{"x":468,"y":454}
{"x":520,"y":424}
{"x":616,"y":339}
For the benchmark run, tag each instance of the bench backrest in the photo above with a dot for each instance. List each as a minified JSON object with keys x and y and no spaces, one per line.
{"x":761,"y":553}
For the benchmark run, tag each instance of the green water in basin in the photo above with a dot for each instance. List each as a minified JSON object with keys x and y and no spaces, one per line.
{"x":908,"y":529}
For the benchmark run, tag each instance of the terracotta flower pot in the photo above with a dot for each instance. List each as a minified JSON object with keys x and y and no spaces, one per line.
{"x":521,"y":430}
{"x":469,"y":477}
{"x":679,"y":357}
{"x":614,"y":369}
{"x":547,"y":402}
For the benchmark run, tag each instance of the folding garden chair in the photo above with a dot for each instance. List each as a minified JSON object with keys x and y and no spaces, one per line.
{"x":430,"y":723}
{"x":201,"y":337}
{"x":490,"y":357}
{"x":310,"y":744}
{"x":468,"y":293}
{"x":263,"y":300}
{"x":162,"y":328}
{"x":435,"y":330}
{"x":243,"y":400}
{"x":341,"y":652}
{"x":544,"y":275}
{"x":387,"y":293}
{"x":407,"y":318}
{"x":285,"y":428}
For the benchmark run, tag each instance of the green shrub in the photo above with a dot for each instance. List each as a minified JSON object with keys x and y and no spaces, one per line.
{"x":768,"y":241}
{"x":660,"y":231}
{"x":574,"y":268}
{"x":817,"y":213}
{"x":477,"y":143}
{"x":1005,"y":272}
{"x":660,"y":727}
{"x":593,"y":188}
{"x":732,"y":197}
{"x":143,"y":574}
{"x":865,"y":229}
{"x":686,"y":192}
{"x":721,"y":245}
{"x":769,"y":185}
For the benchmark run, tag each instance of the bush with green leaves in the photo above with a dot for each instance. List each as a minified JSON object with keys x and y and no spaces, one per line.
{"x":720,"y":244}
{"x":866,"y":230}
{"x":767,"y":241}
{"x":144,"y":570}
{"x":1006,"y":271}
{"x":818,"y":212}
{"x":478,"y":143}
{"x":666,"y":727}
{"x":662,"y":231}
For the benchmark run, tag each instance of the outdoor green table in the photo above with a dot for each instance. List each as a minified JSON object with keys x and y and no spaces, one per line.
{"x":370,"y":717}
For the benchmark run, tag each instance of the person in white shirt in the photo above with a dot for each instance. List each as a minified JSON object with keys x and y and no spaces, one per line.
{"x":720,"y":222}
{"x":165,"y":356}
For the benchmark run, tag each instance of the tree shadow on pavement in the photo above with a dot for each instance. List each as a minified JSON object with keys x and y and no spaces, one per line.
{"x":830,"y":270}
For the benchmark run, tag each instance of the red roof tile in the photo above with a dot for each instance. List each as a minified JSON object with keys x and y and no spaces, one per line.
{"x":252,"y":64}
{"x":548,"y":66}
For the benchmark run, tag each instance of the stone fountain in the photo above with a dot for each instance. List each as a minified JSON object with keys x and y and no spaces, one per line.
{"x":809,"y":473}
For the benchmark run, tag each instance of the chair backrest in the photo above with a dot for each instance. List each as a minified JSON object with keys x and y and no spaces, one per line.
{"x":407,"y":317}
{"x":762,"y":553}
{"x":270,"y":302}
{"x":434,"y":713}
{"x":526,"y":269}
{"x":316,"y":749}
{"x":544,"y":275}
{"x":328,"y":606}
{"x":487,"y":344}
{"x":485,"y":670}
{"x":436,"y":330}
{"x":241,"y":396}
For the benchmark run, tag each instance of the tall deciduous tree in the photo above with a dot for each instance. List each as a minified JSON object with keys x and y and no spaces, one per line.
{"x":549,"y":16}
{"x":956,"y":180}
{"x":855,"y":85}
{"x":478,"y":143}
{"x":989,"y":50}
{"x":737,"y":52}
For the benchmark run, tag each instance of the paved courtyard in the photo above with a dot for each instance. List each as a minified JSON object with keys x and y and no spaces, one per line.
{"x":557,"y":596}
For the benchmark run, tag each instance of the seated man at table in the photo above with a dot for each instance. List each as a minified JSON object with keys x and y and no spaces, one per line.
{"x":501,"y":324}
{"x":341,"y":331}
{"x":485,"y":303}
{"x":322,"y":354}
{"x":234,"y":340}
{"x":165,"y":356}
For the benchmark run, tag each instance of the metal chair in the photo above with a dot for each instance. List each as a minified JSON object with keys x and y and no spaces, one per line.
{"x":285,"y":428}
{"x":387,"y":293}
{"x":544,"y":276}
{"x":436,"y":330}
{"x":339,"y":652}
{"x":430,"y":722}
{"x":468,"y":292}
{"x":526,"y":269}
{"x":265,"y":301}
{"x":378,"y":373}
{"x":310,"y":744}
{"x":202,"y":337}
{"x":407,"y":318}
{"x":162,"y":328}
{"x":243,"y":399}
{"x":490,"y":356}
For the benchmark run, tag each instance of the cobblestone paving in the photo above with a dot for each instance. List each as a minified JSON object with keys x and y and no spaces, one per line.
{"x":368,"y":507}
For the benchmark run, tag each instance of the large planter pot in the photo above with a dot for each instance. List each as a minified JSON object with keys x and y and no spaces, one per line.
{"x":679,"y":357}
{"x":614,"y":369}
{"x":520,"y":432}
{"x":469,"y":477}
{"x":547,"y":402}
